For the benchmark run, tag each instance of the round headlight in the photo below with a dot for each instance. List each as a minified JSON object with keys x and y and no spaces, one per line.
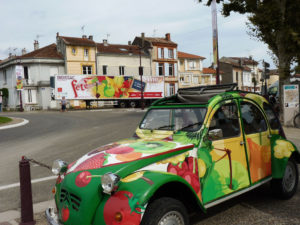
{"x":109,"y":182}
{"x":59,"y":167}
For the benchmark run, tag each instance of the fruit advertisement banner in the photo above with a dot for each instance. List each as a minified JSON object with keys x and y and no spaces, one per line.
{"x":19,"y":77}
{"x":107,"y":87}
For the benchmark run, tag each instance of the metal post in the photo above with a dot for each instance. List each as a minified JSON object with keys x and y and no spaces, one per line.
{"x":141,"y":75}
{"x":21,"y":102}
{"x":25,"y":193}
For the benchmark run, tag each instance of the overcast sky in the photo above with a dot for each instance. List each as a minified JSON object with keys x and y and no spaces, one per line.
{"x":188,"y":22}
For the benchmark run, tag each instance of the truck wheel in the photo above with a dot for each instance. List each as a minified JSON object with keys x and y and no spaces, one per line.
{"x":164,"y":211}
{"x":122,"y":104}
{"x":132,"y":104}
{"x":286,"y":187}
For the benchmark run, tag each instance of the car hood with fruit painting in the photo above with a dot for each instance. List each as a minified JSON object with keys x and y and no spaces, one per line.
{"x":129,"y":150}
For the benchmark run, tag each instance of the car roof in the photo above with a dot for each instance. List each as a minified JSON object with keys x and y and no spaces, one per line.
{"x":207,"y":95}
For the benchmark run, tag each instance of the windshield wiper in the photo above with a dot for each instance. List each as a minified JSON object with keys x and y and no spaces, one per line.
{"x":190,"y":125}
{"x":161,"y":127}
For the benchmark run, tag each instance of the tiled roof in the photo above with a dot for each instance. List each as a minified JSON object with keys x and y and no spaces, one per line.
{"x":245,"y":60}
{"x":78,"y":41}
{"x":189,"y":56}
{"x":49,"y":51}
{"x":159,"y":40}
{"x":210,"y":71}
{"x":246,"y":68}
{"x":118,"y":49}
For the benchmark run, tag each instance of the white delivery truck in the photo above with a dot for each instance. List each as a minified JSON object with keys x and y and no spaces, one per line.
{"x":125,"y":91}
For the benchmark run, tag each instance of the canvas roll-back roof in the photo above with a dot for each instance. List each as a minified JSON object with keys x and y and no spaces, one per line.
{"x":196,"y":95}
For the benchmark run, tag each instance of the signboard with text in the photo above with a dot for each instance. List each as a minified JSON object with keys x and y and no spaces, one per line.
{"x":291,"y":96}
{"x":107,"y":87}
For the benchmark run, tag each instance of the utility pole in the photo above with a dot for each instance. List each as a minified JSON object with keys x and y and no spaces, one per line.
{"x":215,"y":40}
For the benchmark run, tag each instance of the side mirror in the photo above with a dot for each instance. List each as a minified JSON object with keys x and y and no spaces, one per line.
{"x":215,"y":134}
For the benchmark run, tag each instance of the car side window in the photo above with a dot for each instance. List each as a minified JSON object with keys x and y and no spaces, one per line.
{"x":253,"y":119}
{"x":273,"y":120}
{"x":226,"y":119}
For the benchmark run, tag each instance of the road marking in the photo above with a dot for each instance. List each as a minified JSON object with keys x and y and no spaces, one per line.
{"x":15,"y":125}
{"x":32,"y":181}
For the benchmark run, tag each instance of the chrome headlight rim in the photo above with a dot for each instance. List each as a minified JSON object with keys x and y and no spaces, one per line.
{"x":59,"y":167}
{"x":109,"y":182}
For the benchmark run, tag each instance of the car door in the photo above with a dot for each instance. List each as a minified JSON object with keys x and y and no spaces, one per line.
{"x":257,"y":138}
{"x":228,"y":171}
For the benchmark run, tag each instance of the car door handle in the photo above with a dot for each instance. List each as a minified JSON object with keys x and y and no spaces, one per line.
{"x":242,"y":143}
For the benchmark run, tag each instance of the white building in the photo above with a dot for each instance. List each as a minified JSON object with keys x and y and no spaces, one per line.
{"x":37,"y":68}
{"x":121,"y":60}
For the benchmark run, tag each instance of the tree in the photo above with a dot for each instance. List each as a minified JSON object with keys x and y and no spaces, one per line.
{"x":274,"y":22}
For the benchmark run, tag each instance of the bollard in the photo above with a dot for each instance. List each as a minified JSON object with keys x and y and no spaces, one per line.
{"x":25,"y":192}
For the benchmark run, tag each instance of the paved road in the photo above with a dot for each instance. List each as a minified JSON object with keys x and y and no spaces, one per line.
{"x":52,"y":135}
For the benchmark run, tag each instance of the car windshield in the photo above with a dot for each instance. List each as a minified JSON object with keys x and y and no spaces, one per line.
{"x":185,"y":119}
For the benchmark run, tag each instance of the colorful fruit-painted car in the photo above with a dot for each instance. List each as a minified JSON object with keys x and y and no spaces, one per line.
{"x":191,"y":151}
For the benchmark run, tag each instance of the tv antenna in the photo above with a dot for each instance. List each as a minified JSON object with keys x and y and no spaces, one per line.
{"x":82,"y":29}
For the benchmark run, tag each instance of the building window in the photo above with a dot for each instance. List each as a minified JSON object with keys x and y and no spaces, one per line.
{"x":181,"y":79}
{"x":192,"y":65}
{"x":161,"y":53}
{"x":171,"y":70}
{"x":236,"y":76}
{"x":196,"y":80}
{"x":26,"y":77}
{"x":29,"y":96}
{"x":87,"y":69}
{"x":160,"y":69}
{"x":73,"y":51}
{"x":172,"y":89}
{"x":86,"y":52}
{"x":121,"y":70}
{"x":4,"y":77}
{"x":104,"y":69}
{"x":170,"y":53}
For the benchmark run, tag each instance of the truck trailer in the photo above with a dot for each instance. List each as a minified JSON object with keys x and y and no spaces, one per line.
{"x":123,"y":91}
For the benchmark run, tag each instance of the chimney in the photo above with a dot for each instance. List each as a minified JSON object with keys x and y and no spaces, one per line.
{"x":10,"y":55}
{"x":129,"y":42}
{"x":91,"y":37}
{"x":57,"y":34}
{"x":36,"y":45}
{"x":143,"y":39}
{"x":105,"y":42}
{"x":23,"y":51}
{"x":84,"y":36}
{"x":168,"y":37}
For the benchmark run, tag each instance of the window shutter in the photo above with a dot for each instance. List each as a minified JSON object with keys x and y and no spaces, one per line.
{"x":157,"y":70}
{"x":175,"y":53}
{"x":166,"y":56}
{"x":166,"y":69}
{"x":159,"y":52}
{"x":176,"y":87}
{"x":168,"y":89}
{"x":185,"y":65}
{"x":175,"y":69}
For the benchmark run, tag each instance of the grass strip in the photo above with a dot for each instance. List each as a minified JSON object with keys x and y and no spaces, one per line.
{"x":5,"y":119}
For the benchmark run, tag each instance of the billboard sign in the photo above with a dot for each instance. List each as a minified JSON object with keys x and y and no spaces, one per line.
{"x":83,"y":87}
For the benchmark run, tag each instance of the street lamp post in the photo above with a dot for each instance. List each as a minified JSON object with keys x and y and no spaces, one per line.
{"x":141,"y":75}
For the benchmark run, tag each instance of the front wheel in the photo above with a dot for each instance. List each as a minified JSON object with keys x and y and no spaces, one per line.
{"x":286,"y":187}
{"x":297,"y":121}
{"x":166,"y":211}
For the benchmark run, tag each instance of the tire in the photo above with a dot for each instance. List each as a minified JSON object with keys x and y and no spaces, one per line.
{"x":297,"y":121}
{"x":132,"y":104}
{"x":286,"y":187}
{"x":122,"y":104}
{"x":165,"y":211}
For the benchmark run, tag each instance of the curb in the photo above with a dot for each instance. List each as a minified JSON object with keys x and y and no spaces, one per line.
{"x":14,"y":125}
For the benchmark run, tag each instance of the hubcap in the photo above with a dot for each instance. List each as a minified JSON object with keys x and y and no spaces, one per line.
{"x":289,"y":178}
{"x":172,"y":218}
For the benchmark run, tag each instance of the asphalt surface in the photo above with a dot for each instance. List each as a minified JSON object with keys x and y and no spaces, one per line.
{"x":52,"y":135}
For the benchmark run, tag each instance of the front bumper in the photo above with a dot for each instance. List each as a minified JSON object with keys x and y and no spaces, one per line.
{"x":51,"y":216}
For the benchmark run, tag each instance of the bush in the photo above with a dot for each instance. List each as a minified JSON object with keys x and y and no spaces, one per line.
{"x":4,"y":92}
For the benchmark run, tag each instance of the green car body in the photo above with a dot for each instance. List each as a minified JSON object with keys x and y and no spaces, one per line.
{"x":194,"y":165}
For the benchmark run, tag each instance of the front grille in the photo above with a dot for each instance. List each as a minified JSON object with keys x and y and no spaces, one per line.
{"x":70,"y":198}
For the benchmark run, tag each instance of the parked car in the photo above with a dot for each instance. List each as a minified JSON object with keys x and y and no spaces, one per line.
{"x":191,"y":151}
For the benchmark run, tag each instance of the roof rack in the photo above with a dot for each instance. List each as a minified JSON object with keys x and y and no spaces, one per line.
{"x":208,"y":89}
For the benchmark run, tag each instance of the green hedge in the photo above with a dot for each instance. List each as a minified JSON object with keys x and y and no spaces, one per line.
{"x":4,"y":92}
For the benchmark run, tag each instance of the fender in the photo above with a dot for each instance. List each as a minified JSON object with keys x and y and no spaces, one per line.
{"x":133,"y":195}
{"x":281,"y":151}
